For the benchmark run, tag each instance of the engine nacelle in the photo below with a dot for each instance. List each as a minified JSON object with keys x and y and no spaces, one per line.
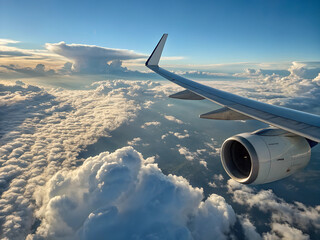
{"x":264,"y":156}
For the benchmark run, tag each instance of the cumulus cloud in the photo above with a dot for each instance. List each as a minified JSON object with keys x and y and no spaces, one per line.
{"x":187,"y":153}
{"x":134,"y":141}
{"x":178,"y":135}
{"x":123,"y":196}
{"x":250,"y":231}
{"x":285,"y":216}
{"x":285,"y":231}
{"x":218,"y":178}
{"x":185,"y":134}
{"x":173,"y":119}
{"x":191,"y":156}
{"x":148,"y":124}
{"x":91,"y":59}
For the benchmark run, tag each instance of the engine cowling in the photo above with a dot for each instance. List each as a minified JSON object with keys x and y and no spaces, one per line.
{"x":264,"y":156}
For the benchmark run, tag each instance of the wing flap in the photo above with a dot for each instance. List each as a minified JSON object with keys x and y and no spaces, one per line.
{"x":186,"y":95}
{"x":224,"y":114}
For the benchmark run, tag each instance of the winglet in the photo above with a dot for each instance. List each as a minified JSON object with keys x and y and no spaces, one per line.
{"x":156,"y":54}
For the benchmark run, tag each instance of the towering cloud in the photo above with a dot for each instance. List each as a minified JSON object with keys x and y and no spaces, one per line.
{"x":93,"y":59}
{"x":123,"y":196}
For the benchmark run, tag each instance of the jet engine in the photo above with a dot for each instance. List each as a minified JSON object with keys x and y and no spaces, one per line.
{"x":264,"y":156}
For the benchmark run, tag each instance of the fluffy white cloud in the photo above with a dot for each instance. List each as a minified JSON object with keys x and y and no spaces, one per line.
{"x":122,"y":196}
{"x":178,"y":135}
{"x":218,"y":178}
{"x":134,"y":141}
{"x":185,"y":134}
{"x":191,"y":156}
{"x":285,"y":216}
{"x":250,"y":231}
{"x":187,"y":153}
{"x":147,"y":124}
{"x":173,"y":119}
{"x":285,"y":232}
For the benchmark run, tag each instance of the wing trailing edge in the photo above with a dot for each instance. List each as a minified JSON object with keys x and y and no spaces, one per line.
{"x":186,"y":95}
{"x":224,"y":114}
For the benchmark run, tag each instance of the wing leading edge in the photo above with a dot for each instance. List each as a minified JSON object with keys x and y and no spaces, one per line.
{"x":300,"y":123}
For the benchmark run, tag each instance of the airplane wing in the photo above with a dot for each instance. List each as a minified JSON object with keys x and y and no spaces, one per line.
{"x":236,"y":107}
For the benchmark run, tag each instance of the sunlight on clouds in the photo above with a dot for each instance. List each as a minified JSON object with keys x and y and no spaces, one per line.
{"x":93,"y":59}
{"x":124,"y":196}
{"x":45,"y":130}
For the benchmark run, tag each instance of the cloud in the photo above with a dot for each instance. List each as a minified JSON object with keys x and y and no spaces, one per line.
{"x":7,"y":51}
{"x":188,"y":154}
{"x":178,"y":135}
{"x":283,"y":215}
{"x":148,"y":124}
{"x":94,"y":59}
{"x":191,"y":156}
{"x":204,"y":74}
{"x":250,"y":231}
{"x":134,"y":141}
{"x":39,"y":70}
{"x":13,"y":54}
{"x":4,"y":41}
{"x":123,"y":196}
{"x":218,"y":178}
{"x":173,"y":119}
{"x":285,"y":231}
{"x":182,"y":135}
{"x":296,"y":90}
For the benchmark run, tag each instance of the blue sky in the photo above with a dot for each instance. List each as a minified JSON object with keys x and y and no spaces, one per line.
{"x":202,"y":31}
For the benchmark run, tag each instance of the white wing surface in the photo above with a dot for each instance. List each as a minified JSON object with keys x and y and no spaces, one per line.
{"x":300,"y":123}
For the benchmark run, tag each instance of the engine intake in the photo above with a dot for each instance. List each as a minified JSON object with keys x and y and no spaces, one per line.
{"x":264,"y":156}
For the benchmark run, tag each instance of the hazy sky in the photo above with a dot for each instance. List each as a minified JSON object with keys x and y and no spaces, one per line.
{"x":201,"y":31}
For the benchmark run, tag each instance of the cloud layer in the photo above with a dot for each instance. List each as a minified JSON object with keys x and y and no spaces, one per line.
{"x":48,"y":192}
{"x":45,"y":131}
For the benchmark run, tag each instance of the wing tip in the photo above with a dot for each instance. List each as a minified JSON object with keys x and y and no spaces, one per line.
{"x":154,"y":58}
